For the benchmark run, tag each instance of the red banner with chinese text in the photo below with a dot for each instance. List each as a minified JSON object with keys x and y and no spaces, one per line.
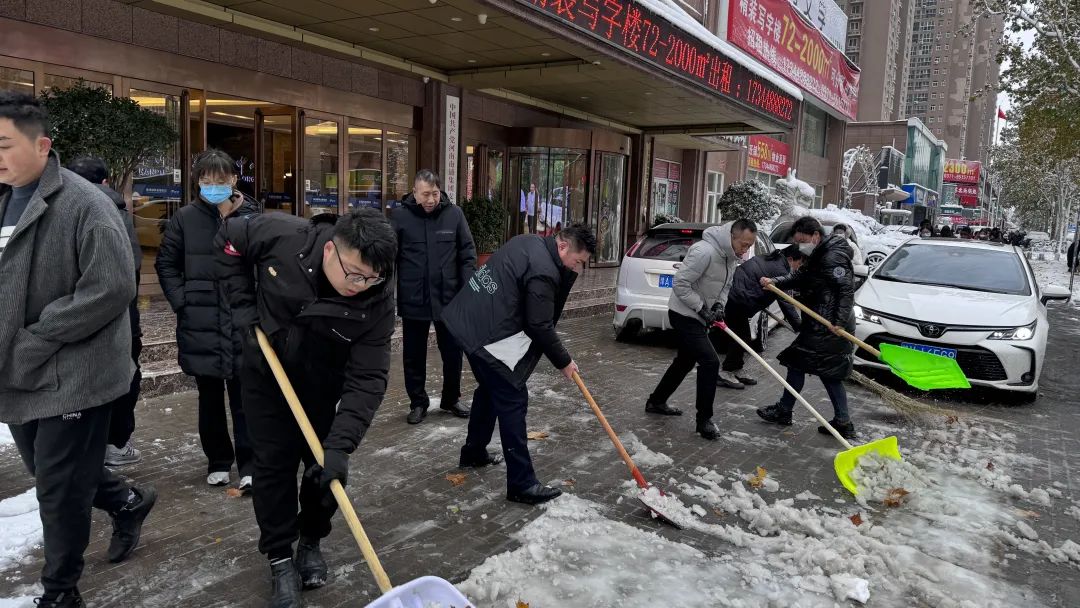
{"x":961,"y":171}
{"x":968,"y":196}
{"x":767,"y":155}
{"x":775,"y":33}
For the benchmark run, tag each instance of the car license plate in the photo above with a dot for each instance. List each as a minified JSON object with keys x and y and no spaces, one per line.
{"x":666,"y":280}
{"x":934,"y":350}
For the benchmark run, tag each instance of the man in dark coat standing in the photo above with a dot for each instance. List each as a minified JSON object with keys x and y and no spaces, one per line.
{"x":504,"y":320}
{"x":435,"y":256}
{"x":745,"y":300}
{"x":323,"y":300}
{"x":826,"y":284}
{"x":119,"y":451}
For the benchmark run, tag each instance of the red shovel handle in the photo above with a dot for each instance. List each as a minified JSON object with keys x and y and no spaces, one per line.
{"x":638,"y":477}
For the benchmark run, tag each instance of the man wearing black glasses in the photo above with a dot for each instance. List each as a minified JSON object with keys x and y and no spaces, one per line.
{"x":319,"y":290}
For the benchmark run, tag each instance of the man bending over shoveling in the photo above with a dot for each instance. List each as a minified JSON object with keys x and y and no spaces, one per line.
{"x":322,"y":298}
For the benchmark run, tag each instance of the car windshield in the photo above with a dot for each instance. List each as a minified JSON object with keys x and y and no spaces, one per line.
{"x":970,"y":268}
{"x":669,"y":246}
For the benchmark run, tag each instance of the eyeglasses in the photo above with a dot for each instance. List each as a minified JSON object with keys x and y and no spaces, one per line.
{"x":354,"y":277}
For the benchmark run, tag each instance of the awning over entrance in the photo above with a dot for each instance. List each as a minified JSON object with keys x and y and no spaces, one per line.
{"x":624,"y":62}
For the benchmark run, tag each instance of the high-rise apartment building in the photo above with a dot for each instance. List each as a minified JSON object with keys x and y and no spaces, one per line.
{"x":878,"y":42}
{"x":923,"y":59}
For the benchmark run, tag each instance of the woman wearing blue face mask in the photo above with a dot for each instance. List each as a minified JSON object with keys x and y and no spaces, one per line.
{"x":207,"y":339}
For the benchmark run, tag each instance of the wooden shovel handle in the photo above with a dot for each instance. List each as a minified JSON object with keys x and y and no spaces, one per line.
{"x":820,"y":319}
{"x":638,"y":477}
{"x":315,"y":445}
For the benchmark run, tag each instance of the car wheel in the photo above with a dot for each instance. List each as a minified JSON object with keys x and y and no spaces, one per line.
{"x":627,"y":332}
{"x":874,"y":258}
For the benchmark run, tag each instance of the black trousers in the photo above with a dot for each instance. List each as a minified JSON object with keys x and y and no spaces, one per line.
{"x":738,"y":321}
{"x":279,"y":449}
{"x":122,"y":422}
{"x":66,"y":456}
{"x":497,"y":400}
{"x":695,"y":348}
{"x":214,"y":426}
{"x":414,"y":338}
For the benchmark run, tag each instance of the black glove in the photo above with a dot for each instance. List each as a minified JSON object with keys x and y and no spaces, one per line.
{"x":335,"y":466}
{"x":712,"y":315}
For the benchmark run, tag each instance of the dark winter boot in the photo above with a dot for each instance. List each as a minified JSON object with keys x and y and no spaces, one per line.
{"x":310,"y":563}
{"x":708,"y":430}
{"x":455,"y":408}
{"x":469,"y":459}
{"x":416,"y":415}
{"x":286,"y":582}
{"x":775,"y":414}
{"x":64,"y":599}
{"x":846,"y":429}
{"x":535,"y":495}
{"x":128,"y":522}
{"x":661,"y":408}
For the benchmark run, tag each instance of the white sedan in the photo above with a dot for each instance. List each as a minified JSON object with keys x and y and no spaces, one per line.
{"x":973,"y":301}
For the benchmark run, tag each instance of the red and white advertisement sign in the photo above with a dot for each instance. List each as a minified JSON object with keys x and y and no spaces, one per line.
{"x":775,"y":33}
{"x":768,"y":155}
{"x":967,"y":195}
{"x":961,"y":172}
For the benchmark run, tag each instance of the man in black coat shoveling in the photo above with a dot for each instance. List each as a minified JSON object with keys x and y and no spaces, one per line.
{"x":504,"y":320}
{"x":826,"y":284}
{"x":435,"y":256}
{"x":322,"y":298}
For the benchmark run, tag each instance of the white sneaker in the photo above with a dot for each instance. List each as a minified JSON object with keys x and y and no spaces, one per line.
{"x":245,"y":483}
{"x":117,"y":457}
{"x":728,"y":379}
{"x":220,"y":478}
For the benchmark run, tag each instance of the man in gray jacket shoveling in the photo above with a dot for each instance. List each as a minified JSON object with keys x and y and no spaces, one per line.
{"x":697,"y":299}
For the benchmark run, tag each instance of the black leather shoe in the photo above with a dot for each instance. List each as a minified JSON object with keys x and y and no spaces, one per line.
{"x":471,"y":461}
{"x":846,"y":429}
{"x":310,"y":563}
{"x":128,"y":522}
{"x":286,"y":582}
{"x":456,"y":409}
{"x":416,"y":415}
{"x":775,"y":415}
{"x":661,"y":408}
{"x":64,"y":599}
{"x":535,"y":495}
{"x":708,"y":430}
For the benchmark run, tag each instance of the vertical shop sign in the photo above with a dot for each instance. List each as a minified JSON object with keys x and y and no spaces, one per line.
{"x":450,"y":152}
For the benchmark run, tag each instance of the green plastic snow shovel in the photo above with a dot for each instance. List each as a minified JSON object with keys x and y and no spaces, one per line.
{"x":844,"y":462}
{"x":924,"y":371}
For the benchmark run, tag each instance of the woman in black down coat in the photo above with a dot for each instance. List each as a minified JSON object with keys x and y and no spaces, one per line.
{"x":207,"y":340}
{"x":826,"y":285}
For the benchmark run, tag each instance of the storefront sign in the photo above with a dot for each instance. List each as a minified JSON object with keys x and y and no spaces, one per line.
{"x":774,"y":32}
{"x":635,"y":29}
{"x":768,"y":155}
{"x":967,"y":195}
{"x":827,"y":17}
{"x":962,"y":171}
{"x":450,"y":152}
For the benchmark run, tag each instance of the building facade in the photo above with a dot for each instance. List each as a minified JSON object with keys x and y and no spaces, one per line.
{"x":878,"y":41}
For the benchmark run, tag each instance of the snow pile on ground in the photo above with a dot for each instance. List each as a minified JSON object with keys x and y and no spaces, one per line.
{"x":1051,"y":272}
{"x":642,"y":455}
{"x":21,"y":527}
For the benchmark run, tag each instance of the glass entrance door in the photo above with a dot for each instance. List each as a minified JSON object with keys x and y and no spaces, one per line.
{"x":274,"y":178}
{"x":607,"y":201}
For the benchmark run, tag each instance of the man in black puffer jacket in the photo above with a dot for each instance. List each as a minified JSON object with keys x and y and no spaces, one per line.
{"x":826,"y":284}
{"x":435,"y":256}
{"x":324,"y":301}
{"x":504,"y":319}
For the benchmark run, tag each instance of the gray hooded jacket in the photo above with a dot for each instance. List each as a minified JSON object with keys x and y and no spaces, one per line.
{"x":706,"y":273}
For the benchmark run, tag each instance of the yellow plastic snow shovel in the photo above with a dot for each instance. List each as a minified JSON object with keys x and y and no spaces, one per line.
{"x":420,"y":592}
{"x":844,"y":462}
{"x":924,"y":371}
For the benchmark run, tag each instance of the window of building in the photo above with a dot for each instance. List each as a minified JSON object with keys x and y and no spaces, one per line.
{"x":400,"y":166}
{"x":814,"y":131}
{"x":17,"y":80}
{"x":714,"y":189}
{"x":66,"y":82}
{"x":853,"y":43}
{"x":156,"y":185}
{"x":320,"y":166}
{"x":364,"y":167}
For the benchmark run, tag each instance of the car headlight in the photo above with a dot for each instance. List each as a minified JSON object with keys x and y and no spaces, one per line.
{"x":1017,"y":333}
{"x":869,"y":316}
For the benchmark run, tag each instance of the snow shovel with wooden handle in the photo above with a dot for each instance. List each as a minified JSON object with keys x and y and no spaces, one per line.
{"x":649,"y":493}
{"x":421,"y":592}
{"x":844,"y":462}
{"x":924,"y":371}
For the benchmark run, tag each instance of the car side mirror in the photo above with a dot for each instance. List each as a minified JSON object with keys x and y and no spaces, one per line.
{"x":1055,"y":292}
{"x":861,"y":270}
